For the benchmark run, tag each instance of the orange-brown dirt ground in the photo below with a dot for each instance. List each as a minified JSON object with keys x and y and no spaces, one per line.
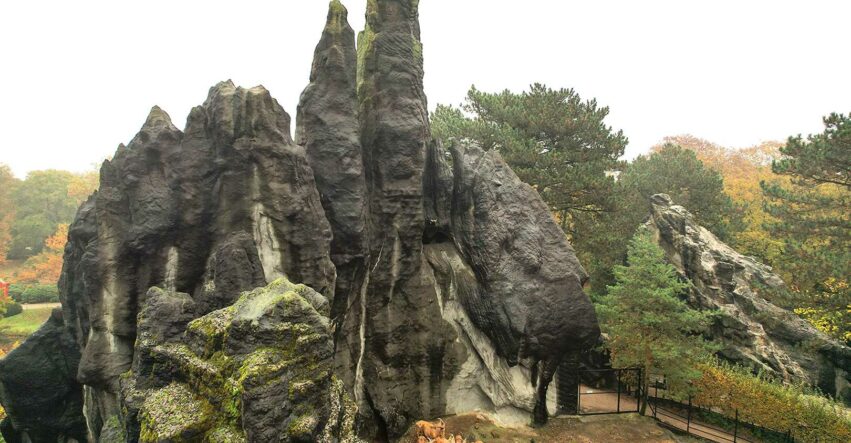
{"x":631,"y":428}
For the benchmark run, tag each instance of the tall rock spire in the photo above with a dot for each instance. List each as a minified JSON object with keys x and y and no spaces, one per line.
{"x":329,"y":130}
{"x":394,"y":128}
{"x":407,"y":356}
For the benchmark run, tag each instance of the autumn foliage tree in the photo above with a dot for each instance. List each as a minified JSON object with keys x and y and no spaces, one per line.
{"x":7,"y":210}
{"x":41,"y":204}
{"x":46,"y":267}
{"x":33,"y":208}
{"x":743,"y":170}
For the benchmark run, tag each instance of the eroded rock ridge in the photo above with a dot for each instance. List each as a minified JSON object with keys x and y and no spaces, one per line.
{"x":753,"y":331}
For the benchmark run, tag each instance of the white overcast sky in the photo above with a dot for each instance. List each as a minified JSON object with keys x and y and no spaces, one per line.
{"x":81,"y":75}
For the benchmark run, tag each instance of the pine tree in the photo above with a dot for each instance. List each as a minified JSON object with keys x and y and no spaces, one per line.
{"x":552,"y":139}
{"x":667,"y":170}
{"x":814,"y":218}
{"x":647,"y":323}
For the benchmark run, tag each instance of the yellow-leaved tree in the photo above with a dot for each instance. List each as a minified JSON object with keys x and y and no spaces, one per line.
{"x":743,"y":170}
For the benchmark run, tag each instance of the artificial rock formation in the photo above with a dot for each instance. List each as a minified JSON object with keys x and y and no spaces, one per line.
{"x":429,"y":281}
{"x":752,"y":330}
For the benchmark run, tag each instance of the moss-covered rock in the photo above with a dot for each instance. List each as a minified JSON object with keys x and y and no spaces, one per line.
{"x":174,"y":414}
{"x":259,"y":370}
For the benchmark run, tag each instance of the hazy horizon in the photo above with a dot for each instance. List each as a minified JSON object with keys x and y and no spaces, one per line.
{"x":83,"y":76}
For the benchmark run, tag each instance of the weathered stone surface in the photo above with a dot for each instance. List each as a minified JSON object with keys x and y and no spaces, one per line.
{"x":406,"y":356}
{"x":260,"y":370}
{"x":223,"y":207}
{"x":329,"y":129}
{"x":39,"y":390}
{"x":532,"y":304}
{"x":753,"y":331}
{"x":533,"y":279}
{"x":485,"y":381}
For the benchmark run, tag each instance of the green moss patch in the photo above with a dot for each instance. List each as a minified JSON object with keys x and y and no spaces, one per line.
{"x":175,"y":414}
{"x":225,"y":434}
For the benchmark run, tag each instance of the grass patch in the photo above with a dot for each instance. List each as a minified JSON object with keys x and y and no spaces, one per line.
{"x":25,"y":323}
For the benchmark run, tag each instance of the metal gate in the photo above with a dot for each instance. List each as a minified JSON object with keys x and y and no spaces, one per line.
{"x":609,"y":391}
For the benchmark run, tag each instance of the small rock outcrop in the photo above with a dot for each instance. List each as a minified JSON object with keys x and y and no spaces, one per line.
{"x":752,"y":330}
{"x":39,"y":389}
{"x":426,"y":281}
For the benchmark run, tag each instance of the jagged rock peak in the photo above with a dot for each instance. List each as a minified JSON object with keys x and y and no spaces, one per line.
{"x":158,"y":118}
{"x":329,"y":130}
{"x":752,"y":330}
{"x":239,"y":112}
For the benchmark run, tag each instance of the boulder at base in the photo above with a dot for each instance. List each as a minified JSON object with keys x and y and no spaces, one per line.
{"x":39,"y":390}
{"x":259,"y":370}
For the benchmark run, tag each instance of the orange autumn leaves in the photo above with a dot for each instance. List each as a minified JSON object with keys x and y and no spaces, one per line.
{"x":45,"y":267}
{"x":743,"y":170}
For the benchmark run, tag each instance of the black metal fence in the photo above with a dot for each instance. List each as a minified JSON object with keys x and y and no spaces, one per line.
{"x":609,"y":391}
{"x":618,"y":391}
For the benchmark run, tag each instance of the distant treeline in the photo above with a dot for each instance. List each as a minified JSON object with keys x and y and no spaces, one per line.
{"x":34,"y":217}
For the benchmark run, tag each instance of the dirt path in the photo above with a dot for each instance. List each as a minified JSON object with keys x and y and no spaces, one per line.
{"x":712,"y":434}
{"x":618,"y":428}
{"x":594,"y":401}
{"x":32,"y":306}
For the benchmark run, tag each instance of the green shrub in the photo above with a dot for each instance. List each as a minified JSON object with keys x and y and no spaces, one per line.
{"x":40,"y":294}
{"x":13,"y":309}
{"x":16,"y":291}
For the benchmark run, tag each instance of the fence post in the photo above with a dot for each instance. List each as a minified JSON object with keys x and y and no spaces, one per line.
{"x":688,"y":420}
{"x":619,"y":391}
{"x":655,"y":402}
{"x":640,"y":392}
{"x":736,"y":428}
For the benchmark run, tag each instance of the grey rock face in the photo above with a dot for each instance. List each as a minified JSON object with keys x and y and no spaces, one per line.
{"x":405,"y":361}
{"x":329,"y":130}
{"x":753,"y":331}
{"x":532,"y":277}
{"x":439,"y":281}
{"x":39,"y":390}
{"x":531,"y":303}
{"x":223,"y":207}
